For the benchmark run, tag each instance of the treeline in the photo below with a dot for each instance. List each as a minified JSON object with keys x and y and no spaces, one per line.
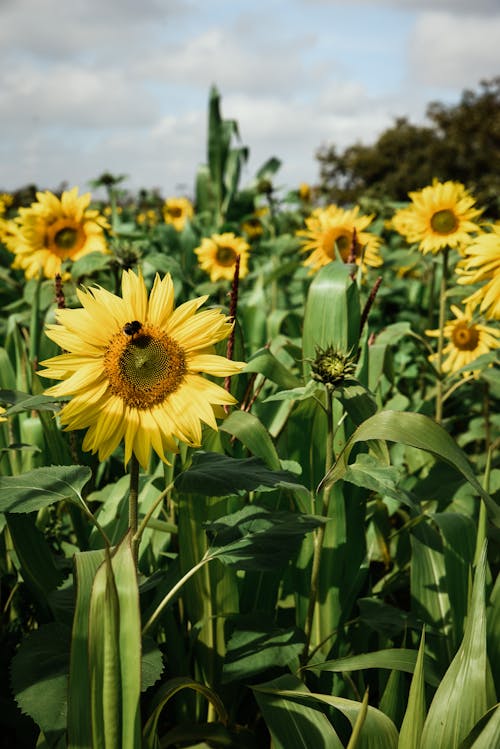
{"x":461,"y":142}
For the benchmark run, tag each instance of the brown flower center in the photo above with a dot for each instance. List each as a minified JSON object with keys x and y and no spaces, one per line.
{"x":226,"y":256}
{"x":444,"y":222}
{"x":465,"y":337}
{"x":174,"y":211}
{"x":341,"y":238}
{"x":145,"y":368}
{"x":65,"y":237}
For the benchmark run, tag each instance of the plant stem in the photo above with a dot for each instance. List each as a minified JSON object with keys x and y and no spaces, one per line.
{"x":171,"y":593}
{"x":133,"y":503}
{"x":320,"y":533}
{"x":147,"y":517}
{"x":442,"y":318}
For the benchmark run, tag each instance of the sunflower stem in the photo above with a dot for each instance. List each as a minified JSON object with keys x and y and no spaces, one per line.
{"x":133,"y":504}
{"x":442,"y":318}
{"x":320,"y":533}
{"x":136,"y":539}
{"x":171,"y":593}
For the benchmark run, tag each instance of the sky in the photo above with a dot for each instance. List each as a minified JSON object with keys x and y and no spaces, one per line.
{"x":122,"y":86}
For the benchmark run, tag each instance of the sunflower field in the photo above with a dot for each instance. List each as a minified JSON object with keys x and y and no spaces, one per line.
{"x":249,"y":472}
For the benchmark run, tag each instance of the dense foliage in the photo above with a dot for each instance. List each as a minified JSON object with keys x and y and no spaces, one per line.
{"x":461,"y":142}
{"x":319,"y":571}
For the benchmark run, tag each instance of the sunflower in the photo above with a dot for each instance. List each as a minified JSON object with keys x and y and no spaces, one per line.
{"x":441,"y":215}
{"x":481,"y":264}
{"x":252,"y":226}
{"x":334,"y":229}
{"x":134,"y":368}
{"x":6,"y":200}
{"x":177,"y":211}
{"x":467,"y":340}
{"x":53,"y":230}
{"x":217,"y":255}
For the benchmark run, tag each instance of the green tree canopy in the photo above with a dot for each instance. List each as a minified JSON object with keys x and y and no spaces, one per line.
{"x":461,"y":142}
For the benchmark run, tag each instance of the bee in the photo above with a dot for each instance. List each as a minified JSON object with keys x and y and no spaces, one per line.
{"x":132,"y":328}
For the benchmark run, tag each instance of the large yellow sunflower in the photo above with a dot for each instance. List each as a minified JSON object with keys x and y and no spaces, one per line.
{"x":217,"y":255}
{"x":466,"y":340}
{"x":481,"y":264}
{"x":134,"y":368}
{"x":441,"y":215}
{"x":177,"y":211}
{"x":332,"y":229}
{"x":52,"y":230}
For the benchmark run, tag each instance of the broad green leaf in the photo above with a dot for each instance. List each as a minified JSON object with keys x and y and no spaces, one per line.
{"x":418,"y":431}
{"x":216,"y":475}
{"x":79,"y":722}
{"x":255,"y":539}
{"x":26,"y":402}
{"x":129,"y":629}
{"x":413,"y":721}
{"x":459,"y":533}
{"x":332,"y":314}
{"x":165,"y":693}
{"x":486,"y":732}
{"x":465,"y":692}
{"x":35,"y":560}
{"x":264,"y":362}
{"x":430,"y":600}
{"x":293,"y":725}
{"x":40,"y":677}
{"x":400,"y":659}
{"x":104,"y":659}
{"x":367,"y":472}
{"x":253,"y":434}
{"x":250,"y":652}
{"x":378,"y":731}
{"x":42,"y":487}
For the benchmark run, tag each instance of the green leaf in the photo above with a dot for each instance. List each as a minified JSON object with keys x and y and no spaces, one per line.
{"x":415,"y":430}
{"x":332,"y":315}
{"x":165,"y":693}
{"x":40,"y":677}
{"x":79,"y":721}
{"x":251,"y":651}
{"x":255,"y":539}
{"x":264,"y":362}
{"x":367,"y":472}
{"x":291,"y":724}
{"x":413,"y":721}
{"x":465,"y":691}
{"x":400,"y":659}
{"x":42,"y":487}
{"x":253,"y":434}
{"x":216,"y":475}
{"x":486,"y":732}
{"x":26,"y":402}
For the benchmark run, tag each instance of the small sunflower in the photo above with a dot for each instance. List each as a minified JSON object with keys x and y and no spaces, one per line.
{"x":441,"y":215}
{"x":52,"y":230}
{"x":467,"y":340}
{"x":252,"y":226}
{"x":481,"y":264}
{"x":177,"y":211}
{"x":217,"y":255}
{"x":305,"y":192}
{"x":134,"y":368}
{"x":332,"y":229}
{"x":6,"y":201}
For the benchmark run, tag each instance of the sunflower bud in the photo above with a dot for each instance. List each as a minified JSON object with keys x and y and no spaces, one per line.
{"x":332,"y":367}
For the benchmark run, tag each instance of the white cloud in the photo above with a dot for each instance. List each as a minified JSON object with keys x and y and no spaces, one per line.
{"x":448,"y":50}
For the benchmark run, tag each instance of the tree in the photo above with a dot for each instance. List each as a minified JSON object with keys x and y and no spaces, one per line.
{"x":461,"y":142}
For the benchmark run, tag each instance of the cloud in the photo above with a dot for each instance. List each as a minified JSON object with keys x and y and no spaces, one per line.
{"x":230,"y":59}
{"x":455,"y":6}
{"x":448,"y":50}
